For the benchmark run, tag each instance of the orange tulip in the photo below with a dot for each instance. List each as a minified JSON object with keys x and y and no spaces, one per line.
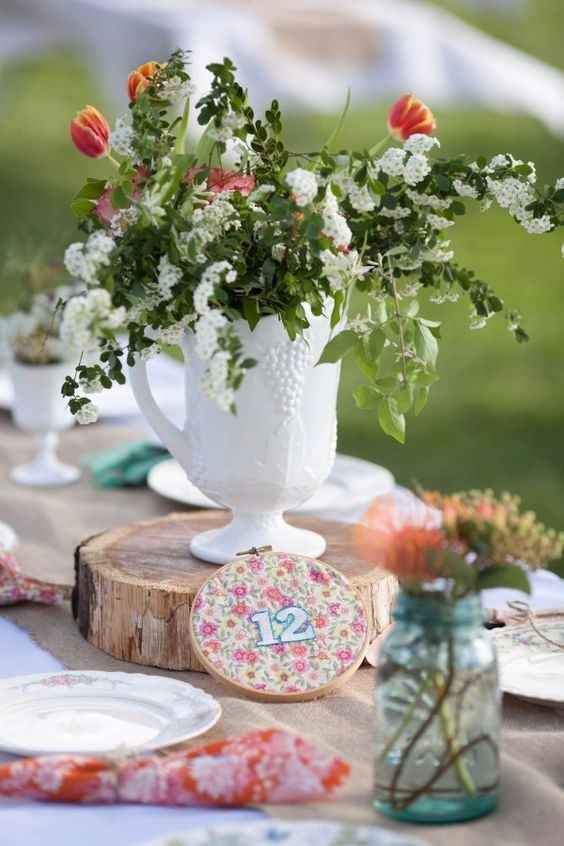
{"x":139,"y":79}
{"x":90,"y":132}
{"x":408,"y":116}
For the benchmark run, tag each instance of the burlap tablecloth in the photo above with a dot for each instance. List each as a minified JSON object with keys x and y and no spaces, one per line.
{"x":50,"y":524}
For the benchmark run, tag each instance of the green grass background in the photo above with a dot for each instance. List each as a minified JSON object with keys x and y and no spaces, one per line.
{"x":496,"y":418}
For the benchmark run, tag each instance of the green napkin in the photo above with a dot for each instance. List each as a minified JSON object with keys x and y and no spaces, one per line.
{"x":124,"y":466}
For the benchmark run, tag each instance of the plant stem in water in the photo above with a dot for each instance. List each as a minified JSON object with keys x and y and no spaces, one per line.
{"x":449,"y":732}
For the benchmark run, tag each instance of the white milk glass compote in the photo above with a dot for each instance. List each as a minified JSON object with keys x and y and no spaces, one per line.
{"x":39,"y":408}
{"x":38,"y":362}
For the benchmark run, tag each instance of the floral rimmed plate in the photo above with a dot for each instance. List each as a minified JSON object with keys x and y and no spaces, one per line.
{"x":531,"y":668}
{"x":307,"y":833}
{"x":93,"y":712}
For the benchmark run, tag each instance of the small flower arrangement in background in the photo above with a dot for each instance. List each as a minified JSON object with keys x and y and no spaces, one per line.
{"x":32,"y":334}
{"x":459,"y":543}
{"x":193,"y":238}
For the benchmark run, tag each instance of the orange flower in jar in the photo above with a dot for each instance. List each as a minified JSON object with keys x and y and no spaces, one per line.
{"x":408,"y":551}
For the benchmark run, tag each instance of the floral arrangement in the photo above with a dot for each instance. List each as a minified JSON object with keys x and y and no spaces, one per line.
{"x":459,"y":543}
{"x":32,"y":335}
{"x":194,"y":238}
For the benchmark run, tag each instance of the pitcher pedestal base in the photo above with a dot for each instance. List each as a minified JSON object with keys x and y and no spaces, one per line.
{"x":219,"y":546}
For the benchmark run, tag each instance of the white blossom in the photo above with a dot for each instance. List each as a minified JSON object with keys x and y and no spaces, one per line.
{"x":344,"y":181}
{"x":537,"y":225}
{"x":441,"y":252}
{"x":210,"y":279}
{"x":122,"y":220}
{"x":416,"y":169}
{"x":84,"y":260}
{"x":396,"y":214}
{"x":74,"y":259}
{"x":431,"y":200}
{"x":499,"y":160}
{"x":87,"y":413}
{"x":342,"y":269}
{"x":230,"y":122}
{"x":214,"y":382}
{"x":169,"y":276}
{"x":216,"y":217}
{"x":236,"y":154}
{"x":151,"y":204}
{"x":438,"y":222}
{"x":510,"y":192}
{"x":392,"y":162}
{"x":210,"y":223}
{"x":86,"y":316}
{"x":335,"y":225}
{"x":359,"y":324}
{"x":177,"y":88}
{"x":507,"y":160}
{"x":279,"y":251}
{"x":172,"y":335}
{"x":207,"y":333}
{"x":419,"y":143}
{"x":303,"y":184}
{"x":559,"y":184}
{"x":121,"y":138}
{"x":465,"y":190}
{"x":361,"y":199}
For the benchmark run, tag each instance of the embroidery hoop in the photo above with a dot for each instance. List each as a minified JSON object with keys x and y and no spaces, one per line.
{"x":322,"y":662}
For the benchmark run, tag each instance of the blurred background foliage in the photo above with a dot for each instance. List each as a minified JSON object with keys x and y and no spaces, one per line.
{"x":496,"y":418}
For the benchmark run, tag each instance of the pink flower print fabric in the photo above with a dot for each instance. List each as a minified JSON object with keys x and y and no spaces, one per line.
{"x":279,"y":624}
{"x":15,"y":587}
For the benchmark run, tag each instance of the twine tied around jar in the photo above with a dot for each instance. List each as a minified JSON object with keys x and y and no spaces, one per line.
{"x":525,"y":614}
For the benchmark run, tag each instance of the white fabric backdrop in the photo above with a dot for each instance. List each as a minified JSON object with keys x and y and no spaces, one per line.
{"x":414,"y":45}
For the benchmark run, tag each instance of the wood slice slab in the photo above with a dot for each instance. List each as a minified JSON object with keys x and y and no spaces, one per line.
{"x":135,"y":586}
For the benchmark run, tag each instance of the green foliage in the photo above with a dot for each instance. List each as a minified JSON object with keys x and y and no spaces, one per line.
{"x":388,"y":370}
{"x":339,"y":346}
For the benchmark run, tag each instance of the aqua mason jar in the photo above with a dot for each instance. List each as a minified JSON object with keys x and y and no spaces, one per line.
{"x":438,"y":713}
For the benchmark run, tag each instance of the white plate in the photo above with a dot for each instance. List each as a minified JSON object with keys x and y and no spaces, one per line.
{"x":531,"y":668}
{"x":306,"y":833}
{"x":93,"y":712}
{"x":351,"y":484}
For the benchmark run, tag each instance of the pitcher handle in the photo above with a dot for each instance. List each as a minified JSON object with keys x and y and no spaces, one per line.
{"x":171,"y":436}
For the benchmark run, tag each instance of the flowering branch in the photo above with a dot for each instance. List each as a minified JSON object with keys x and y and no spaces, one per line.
{"x":232,"y":219}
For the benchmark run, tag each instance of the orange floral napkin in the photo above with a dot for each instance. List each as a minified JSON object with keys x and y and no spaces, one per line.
{"x":261,"y":767}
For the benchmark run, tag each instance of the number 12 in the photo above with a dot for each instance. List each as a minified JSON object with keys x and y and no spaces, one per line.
{"x":297,"y":626}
